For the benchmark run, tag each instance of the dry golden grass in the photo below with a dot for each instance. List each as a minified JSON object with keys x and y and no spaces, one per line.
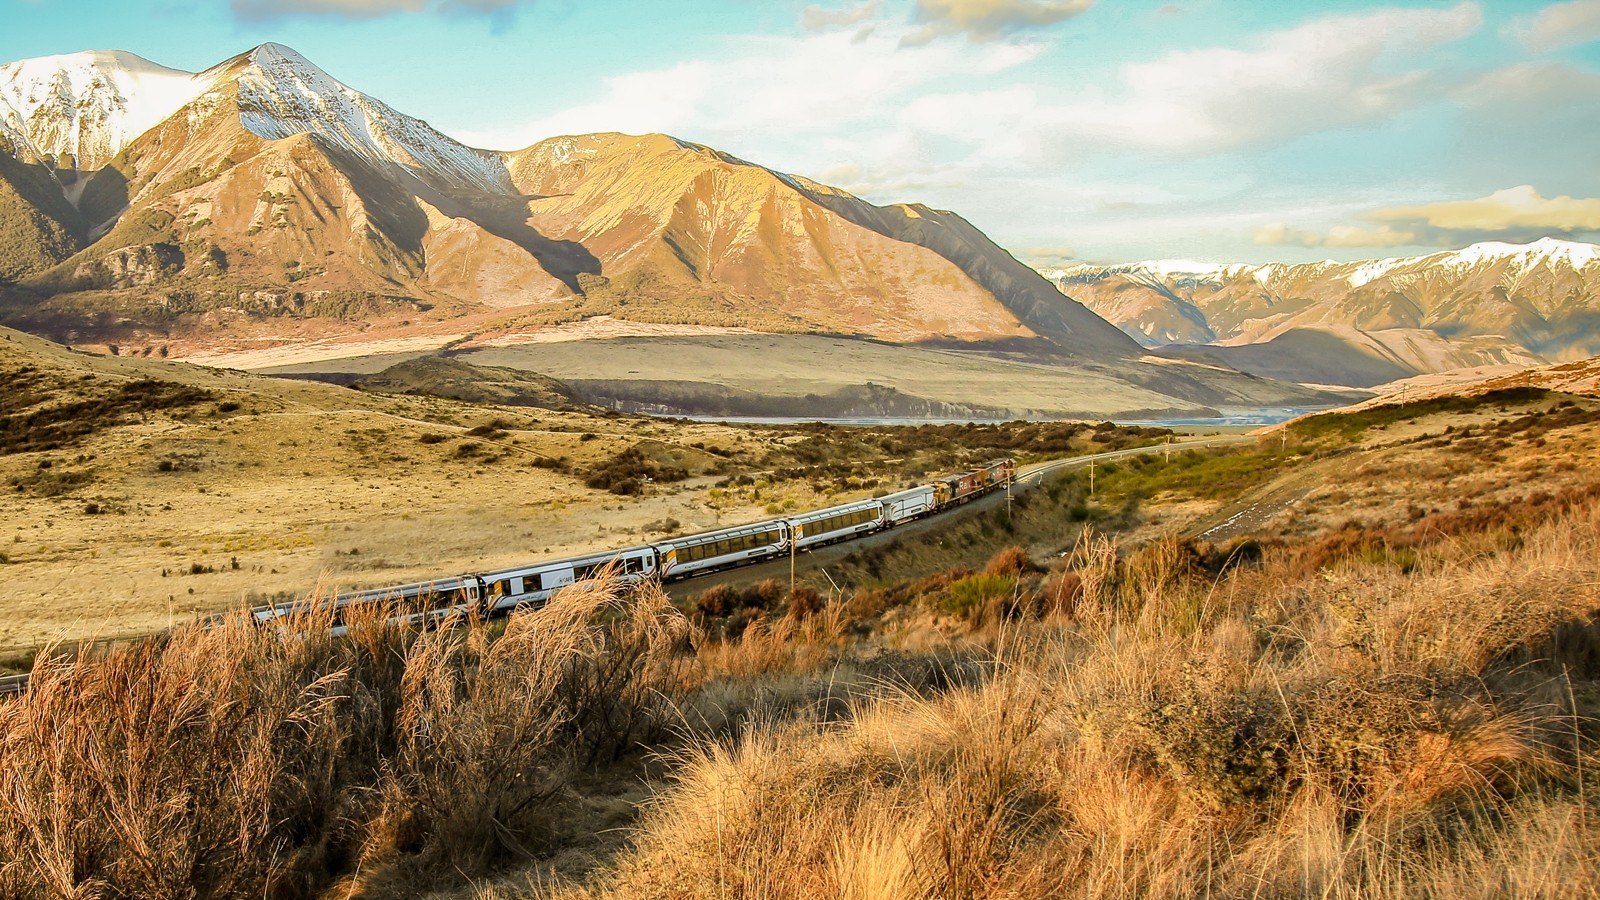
{"x":1363,"y":730}
{"x":1359,"y":732}
{"x":238,"y":761}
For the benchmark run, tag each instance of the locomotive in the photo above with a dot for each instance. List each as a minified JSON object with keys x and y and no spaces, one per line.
{"x":498,"y":593}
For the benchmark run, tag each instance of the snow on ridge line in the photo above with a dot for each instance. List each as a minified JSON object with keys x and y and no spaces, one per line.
{"x":1579,"y":255}
{"x":1522,"y":256}
{"x":282,"y":94}
{"x":89,"y":105}
{"x":1375,"y":269}
{"x":109,"y":97}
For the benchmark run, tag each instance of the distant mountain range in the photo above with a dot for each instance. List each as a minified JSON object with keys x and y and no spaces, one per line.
{"x":1359,"y":323}
{"x":262,"y":200}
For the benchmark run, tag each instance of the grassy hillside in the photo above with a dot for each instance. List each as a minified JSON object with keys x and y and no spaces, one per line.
{"x":141,"y":492}
{"x":1397,"y":702}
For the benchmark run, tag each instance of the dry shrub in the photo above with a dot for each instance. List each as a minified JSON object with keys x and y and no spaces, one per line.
{"x":805,"y":601}
{"x":785,"y":644}
{"x":1012,"y":562}
{"x":906,"y":802}
{"x":1061,"y":594}
{"x":490,"y":731}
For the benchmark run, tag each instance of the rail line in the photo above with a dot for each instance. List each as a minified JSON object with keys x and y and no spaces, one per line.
{"x":1022,"y":478}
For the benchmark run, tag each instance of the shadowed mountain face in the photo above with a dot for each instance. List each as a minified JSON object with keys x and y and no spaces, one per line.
{"x":261,"y":199}
{"x":1363,"y":322}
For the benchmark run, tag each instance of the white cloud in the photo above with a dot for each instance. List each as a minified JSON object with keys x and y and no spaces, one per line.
{"x":1344,"y":236}
{"x":986,"y":20}
{"x":770,"y":91}
{"x":822,"y":18}
{"x":1518,"y":214}
{"x":1518,"y":208}
{"x":1562,"y":25}
{"x":1530,"y":92}
{"x":1326,"y":74}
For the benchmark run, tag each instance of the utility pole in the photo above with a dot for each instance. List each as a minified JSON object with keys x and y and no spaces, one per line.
{"x":793,"y":542}
{"x":1008,"y":498}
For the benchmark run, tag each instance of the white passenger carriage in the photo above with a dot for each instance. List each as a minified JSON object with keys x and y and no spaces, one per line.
{"x":534,"y":585}
{"x":908,"y":504}
{"x":681,"y":557}
{"x":836,"y":523}
{"x":419,"y":603}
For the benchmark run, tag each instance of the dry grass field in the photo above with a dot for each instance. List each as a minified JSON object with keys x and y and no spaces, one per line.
{"x":252,"y":487}
{"x":1394,"y":704}
{"x":141,"y":493}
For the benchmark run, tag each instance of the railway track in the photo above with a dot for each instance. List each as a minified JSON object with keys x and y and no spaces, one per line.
{"x":1026,"y":478}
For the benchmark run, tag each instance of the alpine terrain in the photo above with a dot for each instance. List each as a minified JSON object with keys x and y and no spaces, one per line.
{"x":262,"y":199}
{"x":1360,"y":323}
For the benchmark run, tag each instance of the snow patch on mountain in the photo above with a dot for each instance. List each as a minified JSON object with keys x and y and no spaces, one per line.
{"x":282,"y":94}
{"x":1371,"y":271}
{"x":87,"y":106}
{"x":1522,"y":257}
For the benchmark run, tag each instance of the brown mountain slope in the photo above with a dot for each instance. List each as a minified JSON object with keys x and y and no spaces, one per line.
{"x":38,"y":227}
{"x":675,"y":223}
{"x":278,"y":204}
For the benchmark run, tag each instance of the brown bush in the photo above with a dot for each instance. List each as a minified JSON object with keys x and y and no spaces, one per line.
{"x":1011,"y":562}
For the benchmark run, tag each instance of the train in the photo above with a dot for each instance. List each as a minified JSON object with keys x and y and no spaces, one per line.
{"x":500,"y":592}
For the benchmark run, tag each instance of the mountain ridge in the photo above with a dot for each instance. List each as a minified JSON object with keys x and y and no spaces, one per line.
{"x":1488,"y":303}
{"x":273,"y":187}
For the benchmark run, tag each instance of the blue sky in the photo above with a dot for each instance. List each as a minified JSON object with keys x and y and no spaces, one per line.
{"x":1218,"y":130}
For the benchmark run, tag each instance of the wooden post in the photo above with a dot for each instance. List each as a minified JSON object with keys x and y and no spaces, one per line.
{"x":793,"y":545}
{"x":1091,"y":477}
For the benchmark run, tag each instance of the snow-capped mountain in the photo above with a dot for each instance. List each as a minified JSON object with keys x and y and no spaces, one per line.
{"x":282,"y":94}
{"x":149,"y":198}
{"x":79,"y":109}
{"x":1490,"y":303}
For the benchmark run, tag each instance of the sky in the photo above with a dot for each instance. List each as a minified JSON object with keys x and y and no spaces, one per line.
{"x":1067,"y":130}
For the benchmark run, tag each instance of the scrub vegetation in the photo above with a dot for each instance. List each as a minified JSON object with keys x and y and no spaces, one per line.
{"x":1392,"y":705}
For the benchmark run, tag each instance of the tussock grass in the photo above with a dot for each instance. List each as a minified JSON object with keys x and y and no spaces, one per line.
{"x":1163,"y":721}
{"x":1359,"y":731}
{"x":238,"y":761}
